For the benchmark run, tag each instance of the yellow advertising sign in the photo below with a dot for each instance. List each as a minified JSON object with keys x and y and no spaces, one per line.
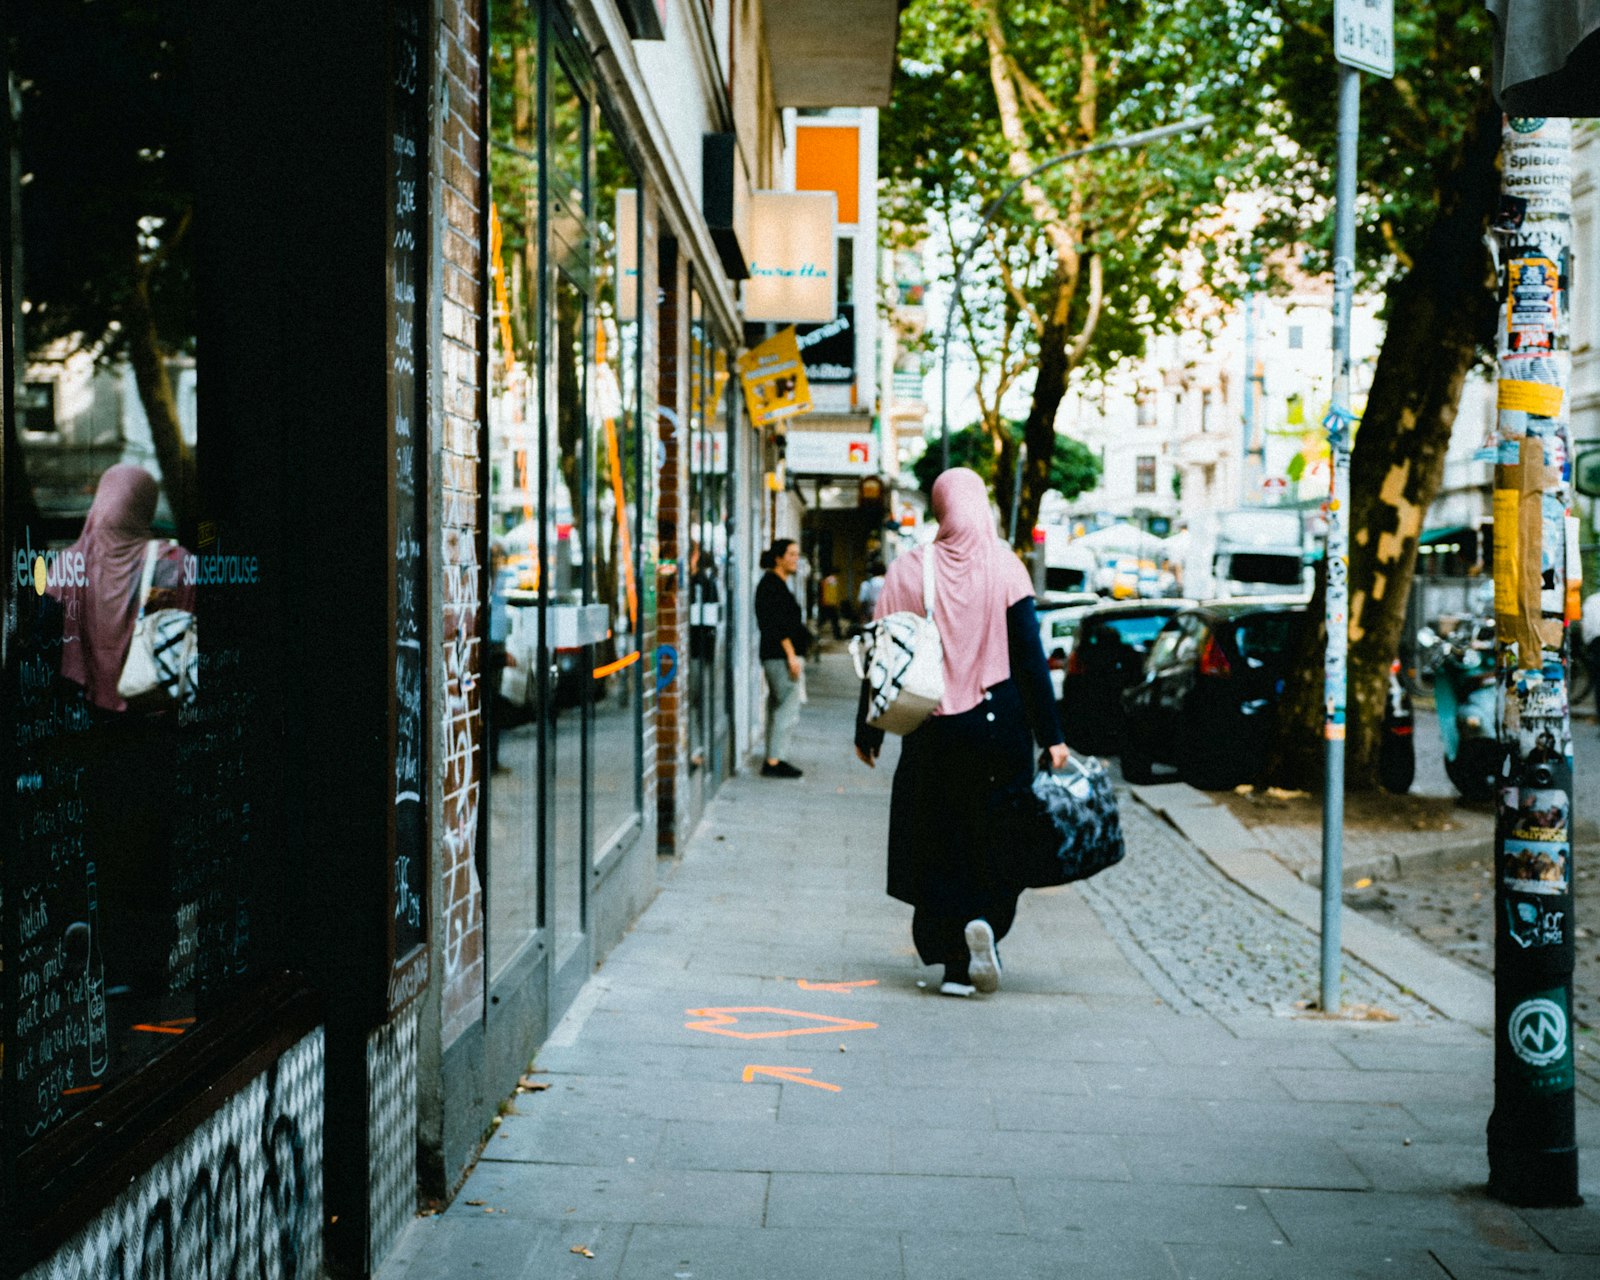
{"x":774,"y":380}
{"x":1537,"y":398}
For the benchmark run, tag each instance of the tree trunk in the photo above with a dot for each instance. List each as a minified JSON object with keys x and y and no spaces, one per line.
{"x":1049,"y":388}
{"x":173,"y":455}
{"x":1441,"y":313}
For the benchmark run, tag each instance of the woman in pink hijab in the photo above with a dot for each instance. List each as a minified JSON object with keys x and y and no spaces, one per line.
{"x":978,"y":745}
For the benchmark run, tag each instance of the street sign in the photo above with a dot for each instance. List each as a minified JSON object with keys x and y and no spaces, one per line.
{"x":1363,"y":35}
{"x":1586,"y":473}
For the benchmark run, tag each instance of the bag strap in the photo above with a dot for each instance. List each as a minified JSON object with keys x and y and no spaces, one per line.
{"x":927,"y":580}
{"x":152,"y":550}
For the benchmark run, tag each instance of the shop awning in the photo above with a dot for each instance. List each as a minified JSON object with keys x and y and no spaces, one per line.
{"x":832,"y":53}
{"x":1547,"y":57}
{"x":1446,"y":533}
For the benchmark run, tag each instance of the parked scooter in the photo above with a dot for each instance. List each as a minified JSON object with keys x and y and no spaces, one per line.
{"x":1461,"y":661}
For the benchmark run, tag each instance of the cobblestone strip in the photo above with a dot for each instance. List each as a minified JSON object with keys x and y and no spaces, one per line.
{"x":1207,"y":944}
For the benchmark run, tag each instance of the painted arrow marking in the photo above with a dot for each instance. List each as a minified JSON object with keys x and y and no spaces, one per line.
{"x":793,"y":1075}
{"x":718,"y":1021}
{"x":845,"y":987}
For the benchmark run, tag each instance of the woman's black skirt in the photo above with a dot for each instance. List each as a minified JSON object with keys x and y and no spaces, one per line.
{"x":955,"y":772}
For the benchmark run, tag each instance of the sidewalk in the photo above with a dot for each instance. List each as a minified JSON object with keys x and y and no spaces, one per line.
{"x":723,"y":1103}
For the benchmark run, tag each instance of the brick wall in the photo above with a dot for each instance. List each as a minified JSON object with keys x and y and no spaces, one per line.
{"x":456,"y":486}
{"x":672,"y":501}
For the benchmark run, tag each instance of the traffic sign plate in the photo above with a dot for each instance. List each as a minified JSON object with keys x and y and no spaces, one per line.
{"x":1363,"y":35}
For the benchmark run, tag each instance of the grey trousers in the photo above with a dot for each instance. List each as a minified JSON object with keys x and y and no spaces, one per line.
{"x":783,"y":706}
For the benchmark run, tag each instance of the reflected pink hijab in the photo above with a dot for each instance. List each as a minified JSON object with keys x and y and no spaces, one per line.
{"x":96,"y":633}
{"x":976,"y":579}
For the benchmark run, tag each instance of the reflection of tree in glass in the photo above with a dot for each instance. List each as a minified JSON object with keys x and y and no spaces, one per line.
{"x":513,"y":159}
{"x":107,"y":198}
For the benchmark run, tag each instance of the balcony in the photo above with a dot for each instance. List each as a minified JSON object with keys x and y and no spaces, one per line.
{"x":908,"y":387}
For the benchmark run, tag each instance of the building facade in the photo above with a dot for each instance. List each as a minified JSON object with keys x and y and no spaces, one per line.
{"x":404,"y":358}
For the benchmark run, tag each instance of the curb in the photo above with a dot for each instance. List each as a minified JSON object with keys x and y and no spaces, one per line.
{"x":1396,"y":866}
{"x":1455,"y":991}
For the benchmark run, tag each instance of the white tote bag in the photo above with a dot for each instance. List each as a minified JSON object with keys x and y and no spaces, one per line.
{"x":162,"y":668}
{"x":902,"y":660}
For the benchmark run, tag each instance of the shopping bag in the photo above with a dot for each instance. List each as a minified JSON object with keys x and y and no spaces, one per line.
{"x":1065,"y":826}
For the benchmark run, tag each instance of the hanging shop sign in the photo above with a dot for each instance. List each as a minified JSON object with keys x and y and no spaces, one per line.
{"x":1363,"y":35}
{"x":627,"y":232}
{"x":829,"y":350}
{"x":774,"y":380}
{"x":835,"y":453}
{"x":793,"y":257}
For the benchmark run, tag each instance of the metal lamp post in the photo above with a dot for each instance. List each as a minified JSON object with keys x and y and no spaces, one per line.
{"x":1125,"y":142}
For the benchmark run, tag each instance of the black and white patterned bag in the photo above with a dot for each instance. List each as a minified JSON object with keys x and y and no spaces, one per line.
{"x":902,"y":660}
{"x":1066,"y":826}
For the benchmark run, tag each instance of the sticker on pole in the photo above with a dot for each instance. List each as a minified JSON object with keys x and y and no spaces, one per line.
{"x":1363,"y":35}
{"x":1537,"y":1032}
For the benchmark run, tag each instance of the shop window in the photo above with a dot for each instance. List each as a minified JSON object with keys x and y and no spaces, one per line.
{"x":135,"y":794}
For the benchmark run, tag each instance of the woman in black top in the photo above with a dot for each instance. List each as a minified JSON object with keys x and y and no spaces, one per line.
{"x":784,"y":640}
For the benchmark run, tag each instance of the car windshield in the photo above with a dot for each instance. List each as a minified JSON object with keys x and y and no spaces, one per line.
{"x":1265,"y":638}
{"x":1137,"y":631}
{"x":1272,"y":570}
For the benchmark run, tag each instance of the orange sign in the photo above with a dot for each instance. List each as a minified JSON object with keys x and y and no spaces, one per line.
{"x":792,"y":1075}
{"x":718,"y":1021}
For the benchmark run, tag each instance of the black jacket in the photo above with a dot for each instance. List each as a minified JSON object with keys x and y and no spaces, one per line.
{"x":778,"y":616}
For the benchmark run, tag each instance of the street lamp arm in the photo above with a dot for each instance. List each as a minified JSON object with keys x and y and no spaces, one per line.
{"x":1122,"y":142}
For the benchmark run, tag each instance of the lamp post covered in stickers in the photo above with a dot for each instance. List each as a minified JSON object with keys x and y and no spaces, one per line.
{"x":1533,"y":1156}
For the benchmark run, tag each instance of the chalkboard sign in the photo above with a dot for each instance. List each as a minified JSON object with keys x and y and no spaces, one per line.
{"x":408,"y":885}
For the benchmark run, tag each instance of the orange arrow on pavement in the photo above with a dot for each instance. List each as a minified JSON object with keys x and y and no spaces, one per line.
{"x":846,"y":987}
{"x":718,"y":1022}
{"x":793,"y":1075}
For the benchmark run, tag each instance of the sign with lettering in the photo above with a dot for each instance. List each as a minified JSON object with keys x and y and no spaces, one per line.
{"x":774,"y":380}
{"x":793,"y":257}
{"x":407,"y":259}
{"x":829,"y":350}
{"x":838,"y":453}
{"x":1363,"y":35}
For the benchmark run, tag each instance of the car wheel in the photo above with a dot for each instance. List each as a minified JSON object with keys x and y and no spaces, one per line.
{"x":1397,"y":763}
{"x":1137,"y":768}
{"x":1476,"y":769}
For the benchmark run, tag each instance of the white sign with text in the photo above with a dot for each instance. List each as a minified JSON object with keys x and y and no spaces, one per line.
{"x":1363,"y":35}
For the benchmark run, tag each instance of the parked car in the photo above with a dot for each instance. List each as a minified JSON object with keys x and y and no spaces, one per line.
{"x":1107,"y":656}
{"x":1058,"y":623}
{"x":1207,"y":699}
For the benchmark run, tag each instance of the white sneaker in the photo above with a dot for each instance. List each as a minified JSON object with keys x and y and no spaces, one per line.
{"x":948,"y":988}
{"x":984,"y":966}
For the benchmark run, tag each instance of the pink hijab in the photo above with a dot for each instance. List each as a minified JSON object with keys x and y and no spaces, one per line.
{"x":96,"y":633}
{"x":976,"y":579}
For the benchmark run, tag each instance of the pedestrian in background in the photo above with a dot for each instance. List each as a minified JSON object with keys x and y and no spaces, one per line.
{"x":784,"y":641}
{"x":831,"y":597}
{"x":976,"y":748}
{"x":867,"y":596}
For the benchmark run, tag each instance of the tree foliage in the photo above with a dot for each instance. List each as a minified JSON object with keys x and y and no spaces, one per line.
{"x":1074,"y":467}
{"x":1082,"y":264}
{"x":104,"y":134}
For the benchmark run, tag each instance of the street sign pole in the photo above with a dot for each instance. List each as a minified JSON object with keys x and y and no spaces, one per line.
{"x":1363,"y":40}
{"x":1337,"y":556}
{"x":1532,"y":1142}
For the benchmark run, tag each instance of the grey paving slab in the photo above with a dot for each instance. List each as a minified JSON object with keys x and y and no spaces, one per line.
{"x":1472,"y":1059}
{"x":946,"y":1255}
{"x":1158,"y":1214}
{"x":1283,"y":1262}
{"x":1242,"y":1117}
{"x":609,"y":1193}
{"x":1385,"y":1086}
{"x":1160,"y":1081}
{"x":1393,"y":1165}
{"x":1051,"y":1113}
{"x":885,"y":1105}
{"x":1571,"y":1230}
{"x":1329,"y":1219}
{"x":1286,"y":1159}
{"x":974,"y":1073}
{"x":967,"y":1152}
{"x":660,"y":1253}
{"x":626,"y":1098}
{"x":502,"y":1247}
{"x":1465,"y":1263}
{"x":790,"y":1148}
{"x":898,"y":1202}
{"x":594,"y":1139}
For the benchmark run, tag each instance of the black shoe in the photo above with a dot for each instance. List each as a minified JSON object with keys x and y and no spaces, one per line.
{"x":783,"y":769}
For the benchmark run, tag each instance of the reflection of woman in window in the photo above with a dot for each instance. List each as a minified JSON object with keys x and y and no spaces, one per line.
{"x":129,"y":757}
